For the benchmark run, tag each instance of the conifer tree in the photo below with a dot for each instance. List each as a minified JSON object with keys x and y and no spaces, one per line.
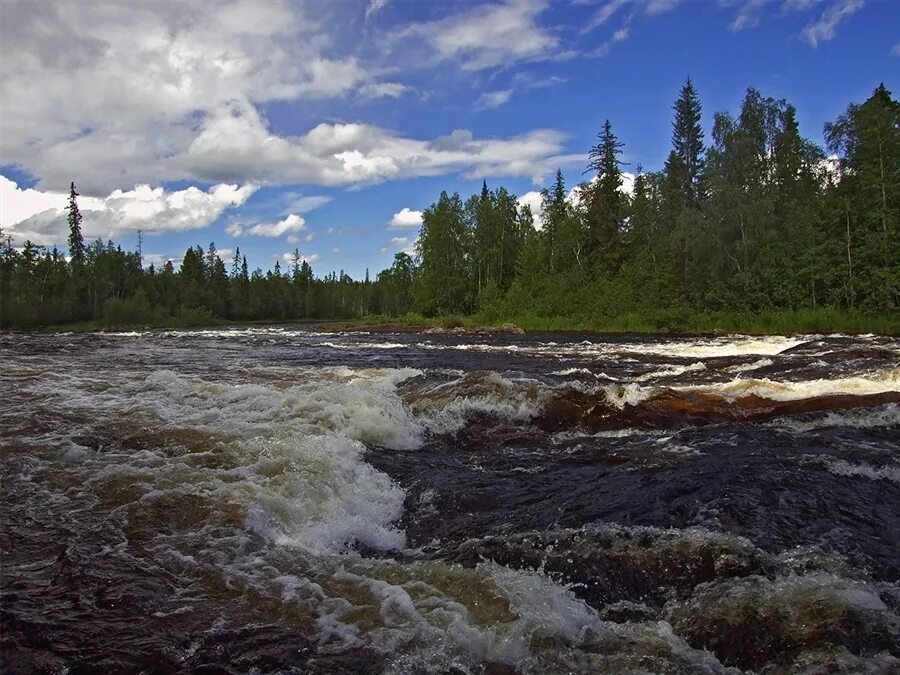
{"x":605,"y":203}
{"x":76,"y":240}
{"x":684,"y":168}
{"x":555,"y":210}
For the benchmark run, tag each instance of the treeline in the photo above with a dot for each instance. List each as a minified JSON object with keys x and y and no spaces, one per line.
{"x":108,"y":285}
{"x":757,"y":220}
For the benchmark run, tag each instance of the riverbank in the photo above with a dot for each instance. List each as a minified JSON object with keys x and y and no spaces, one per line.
{"x":665,"y":322}
{"x":662,"y":322}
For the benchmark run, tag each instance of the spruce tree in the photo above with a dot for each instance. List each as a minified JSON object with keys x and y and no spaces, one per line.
{"x":76,"y":240}
{"x":555,"y":210}
{"x":605,"y":204}
{"x":684,"y":168}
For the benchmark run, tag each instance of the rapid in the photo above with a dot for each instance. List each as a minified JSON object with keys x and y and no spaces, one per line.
{"x":277,"y":499}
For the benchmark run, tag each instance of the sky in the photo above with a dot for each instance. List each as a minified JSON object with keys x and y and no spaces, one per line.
{"x":328,"y":127}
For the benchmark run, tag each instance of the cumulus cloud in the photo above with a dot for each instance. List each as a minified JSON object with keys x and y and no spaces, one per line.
{"x":156,"y":74}
{"x":626,"y":188}
{"x":533,"y":200}
{"x":293,"y":223}
{"x":237,"y":143}
{"x":405,"y":218}
{"x":41,"y":215}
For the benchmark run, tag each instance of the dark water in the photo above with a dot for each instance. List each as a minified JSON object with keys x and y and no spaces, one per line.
{"x":277,"y":500}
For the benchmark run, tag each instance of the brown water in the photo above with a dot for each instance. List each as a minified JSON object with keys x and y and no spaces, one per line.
{"x":278,"y":500}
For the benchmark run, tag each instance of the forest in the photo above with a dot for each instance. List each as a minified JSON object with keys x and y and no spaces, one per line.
{"x":756,"y":221}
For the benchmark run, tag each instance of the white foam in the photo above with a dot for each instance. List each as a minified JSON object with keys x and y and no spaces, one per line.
{"x":672,"y":371}
{"x":447,"y":407}
{"x":841,"y":467}
{"x":743,"y":368}
{"x":876,"y":383}
{"x":290,"y":456}
{"x":719,"y":347}
{"x":860,"y":418}
{"x":430,"y":615}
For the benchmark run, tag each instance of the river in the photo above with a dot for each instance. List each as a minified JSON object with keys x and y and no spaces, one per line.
{"x":275,"y":499}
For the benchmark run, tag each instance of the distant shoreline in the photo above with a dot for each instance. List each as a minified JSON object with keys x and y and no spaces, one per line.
{"x":714,"y":324}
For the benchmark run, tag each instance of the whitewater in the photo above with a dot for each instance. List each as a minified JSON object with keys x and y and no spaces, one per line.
{"x":279,"y":499}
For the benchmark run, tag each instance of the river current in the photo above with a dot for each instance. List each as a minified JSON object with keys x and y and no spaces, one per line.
{"x":256,"y":500}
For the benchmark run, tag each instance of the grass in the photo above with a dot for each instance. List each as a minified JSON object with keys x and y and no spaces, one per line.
{"x":761,"y":323}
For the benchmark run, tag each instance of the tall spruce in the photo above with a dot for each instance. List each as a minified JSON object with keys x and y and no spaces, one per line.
{"x":554,"y":209}
{"x":605,"y":205}
{"x":76,"y":240}
{"x":685,"y":164}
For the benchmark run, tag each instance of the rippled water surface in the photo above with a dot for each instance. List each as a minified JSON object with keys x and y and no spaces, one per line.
{"x":281,"y":500}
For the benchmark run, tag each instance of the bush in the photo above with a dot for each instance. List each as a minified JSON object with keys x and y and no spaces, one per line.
{"x":132,"y":312}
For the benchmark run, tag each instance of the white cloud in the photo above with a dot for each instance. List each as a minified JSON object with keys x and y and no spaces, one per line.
{"x":494,"y":99}
{"x":237,"y":143}
{"x":384,"y":90}
{"x":155,"y":74}
{"x":41,"y":216}
{"x":336,"y":249}
{"x":296,"y":238}
{"x":798,"y":5}
{"x":289,"y":258}
{"x":654,"y":7}
{"x":158,"y":260}
{"x":405,"y":218}
{"x":374,"y":7}
{"x":533,"y":200}
{"x":609,"y":9}
{"x":816,"y":31}
{"x":396,"y":243}
{"x":825,"y":27}
{"x":292,"y":223}
{"x":604,"y":14}
{"x":626,"y":188}
{"x":896,"y":50}
{"x":486,"y":36}
{"x":606,"y":47}
{"x":299,"y":203}
{"x":748,"y":14}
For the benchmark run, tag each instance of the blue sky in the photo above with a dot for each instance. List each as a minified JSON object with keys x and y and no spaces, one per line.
{"x":273,"y":126}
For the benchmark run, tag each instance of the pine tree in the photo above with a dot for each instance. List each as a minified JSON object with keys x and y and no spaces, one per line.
{"x":76,"y":240}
